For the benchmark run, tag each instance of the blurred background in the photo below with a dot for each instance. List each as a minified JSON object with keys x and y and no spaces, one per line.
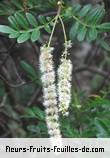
{"x":21,"y":110}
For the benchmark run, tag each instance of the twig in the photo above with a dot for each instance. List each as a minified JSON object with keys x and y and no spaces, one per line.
{"x":49,"y":14}
{"x":3,"y":101}
{"x":35,"y":95}
{"x":17,"y":85}
{"x":93,"y":70}
{"x":75,"y":77}
{"x":8,"y":52}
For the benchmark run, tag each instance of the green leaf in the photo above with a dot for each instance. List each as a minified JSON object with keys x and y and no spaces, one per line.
{"x":13,"y":22}
{"x":104,"y":44}
{"x":35,"y":112}
{"x":67,"y":129}
{"x":76,"y":8}
{"x":39,"y":113}
{"x":74,"y":30}
{"x":85,"y":10}
{"x":29,"y":113}
{"x":14,"y":35}
{"x":102,"y":128}
{"x":32,"y":74}
{"x":48,"y":18}
{"x":68,"y":12}
{"x":104,"y":27}
{"x":82,"y":33}
{"x":31,"y":19}
{"x":29,"y":69}
{"x":47,"y":28}
{"x":51,"y":23}
{"x":32,"y":128}
{"x":92,"y":35}
{"x":17,"y":4}
{"x":99,"y":102}
{"x":100,"y":15}
{"x":42,"y":19}
{"x":6,"y":29}
{"x":21,"y":20}
{"x":23,"y":37}
{"x":35,"y":35}
{"x":39,"y":129}
{"x":95,"y":15}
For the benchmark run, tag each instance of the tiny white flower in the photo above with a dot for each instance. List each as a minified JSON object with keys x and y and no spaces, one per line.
{"x":48,"y":78}
{"x":51,"y":102}
{"x":51,"y":110}
{"x":68,"y":44}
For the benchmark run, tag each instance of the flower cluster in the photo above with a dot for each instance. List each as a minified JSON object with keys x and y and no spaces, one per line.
{"x":68,"y":44}
{"x":49,"y":91}
{"x":50,"y":95}
{"x":64,"y":85}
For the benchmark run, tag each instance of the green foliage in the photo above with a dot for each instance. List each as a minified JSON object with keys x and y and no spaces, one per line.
{"x":12,"y":6}
{"x":6,"y":29}
{"x":104,"y":44}
{"x":20,"y":27}
{"x":88,"y":118}
{"x":86,"y":23}
{"x":31,"y":73}
{"x":103,"y":128}
{"x":34,"y":112}
{"x":38,"y":129}
{"x":31,"y":19}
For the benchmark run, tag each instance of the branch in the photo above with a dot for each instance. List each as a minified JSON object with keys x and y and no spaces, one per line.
{"x":93,"y":70}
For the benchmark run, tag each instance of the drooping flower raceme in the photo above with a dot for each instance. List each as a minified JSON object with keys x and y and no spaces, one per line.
{"x":49,"y":91}
{"x":64,"y":85}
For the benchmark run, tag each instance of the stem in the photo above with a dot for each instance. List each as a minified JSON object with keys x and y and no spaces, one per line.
{"x":56,"y":18}
{"x":81,"y":22}
{"x":39,"y":27}
{"x":65,"y":37}
{"x":25,"y":5}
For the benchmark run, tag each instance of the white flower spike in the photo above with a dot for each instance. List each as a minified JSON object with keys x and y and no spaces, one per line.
{"x":49,"y":92}
{"x":64,"y":81}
